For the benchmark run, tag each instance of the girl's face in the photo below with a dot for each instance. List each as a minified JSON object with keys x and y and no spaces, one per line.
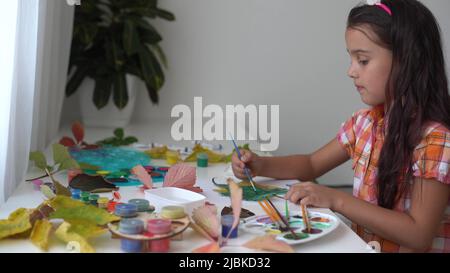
{"x":370,"y":65}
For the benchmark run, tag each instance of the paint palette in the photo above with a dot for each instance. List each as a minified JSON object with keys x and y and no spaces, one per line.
{"x":321,"y":225}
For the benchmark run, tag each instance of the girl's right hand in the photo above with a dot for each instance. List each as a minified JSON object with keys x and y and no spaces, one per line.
{"x":250,"y":160}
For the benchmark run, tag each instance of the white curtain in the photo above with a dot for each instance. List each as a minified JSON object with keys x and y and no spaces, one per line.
{"x":42,"y":47}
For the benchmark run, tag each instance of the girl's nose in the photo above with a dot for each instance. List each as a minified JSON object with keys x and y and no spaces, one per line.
{"x":352,"y":72}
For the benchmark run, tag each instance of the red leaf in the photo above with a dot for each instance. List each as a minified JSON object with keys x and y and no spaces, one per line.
{"x":67,"y":141}
{"x":78,"y":131}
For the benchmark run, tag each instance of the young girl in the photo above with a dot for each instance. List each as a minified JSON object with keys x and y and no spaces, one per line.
{"x":400,"y":147}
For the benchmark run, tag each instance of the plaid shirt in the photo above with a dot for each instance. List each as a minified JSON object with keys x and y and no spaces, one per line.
{"x":362,"y":136}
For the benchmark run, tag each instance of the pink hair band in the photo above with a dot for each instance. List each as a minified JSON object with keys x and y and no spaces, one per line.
{"x":386,"y":8}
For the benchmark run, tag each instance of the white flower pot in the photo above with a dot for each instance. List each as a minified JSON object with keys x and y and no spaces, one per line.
{"x":109,"y":116}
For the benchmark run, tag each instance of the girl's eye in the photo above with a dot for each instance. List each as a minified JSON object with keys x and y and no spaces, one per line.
{"x":363,"y":62}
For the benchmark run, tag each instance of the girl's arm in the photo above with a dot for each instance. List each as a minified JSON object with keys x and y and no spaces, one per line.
{"x":414,"y":230}
{"x":304,"y":167}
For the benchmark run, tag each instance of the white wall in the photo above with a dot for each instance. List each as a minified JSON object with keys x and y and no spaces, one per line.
{"x":286,"y":52}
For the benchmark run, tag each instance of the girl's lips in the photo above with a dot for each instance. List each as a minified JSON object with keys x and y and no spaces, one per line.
{"x":359,"y":88}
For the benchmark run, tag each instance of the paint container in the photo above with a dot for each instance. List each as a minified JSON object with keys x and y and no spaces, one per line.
{"x":126,"y":210}
{"x":202,"y":160}
{"x":85,"y":197}
{"x":76,"y":193}
{"x":172,"y":157}
{"x":141,"y":204}
{"x":173,"y":213}
{"x":71,"y":173}
{"x":163,"y":169}
{"x":227,"y":223}
{"x":103,"y":202}
{"x":149,"y":168}
{"x":132,"y":227}
{"x":159,"y":226}
{"x":111,"y":207}
{"x":37,"y":184}
{"x":93,"y":199}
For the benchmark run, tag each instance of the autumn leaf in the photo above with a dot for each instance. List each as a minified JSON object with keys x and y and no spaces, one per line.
{"x":78,"y":131}
{"x":65,"y":235}
{"x":17,"y":222}
{"x":67,"y":141}
{"x":269,"y":243}
{"x":40,"y":234}
{"x":209,"y":248}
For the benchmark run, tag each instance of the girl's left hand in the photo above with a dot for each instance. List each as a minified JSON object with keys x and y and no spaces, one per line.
{"x":312,"y":194}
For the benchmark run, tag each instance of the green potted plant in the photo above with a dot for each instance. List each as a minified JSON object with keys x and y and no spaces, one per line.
{"x":113,"y":44}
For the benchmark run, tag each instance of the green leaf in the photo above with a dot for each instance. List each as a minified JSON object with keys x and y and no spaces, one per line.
{"x":64,"y":235}
{"x":151,"y":69}
{"x":119,"y":133}
{"x":85,"y":228}
{"x":68,"y":164}
{"x":76,"y":79}
{"x":165,"y":14}
{"x":60,"y":153}
{"x":129,"y":140}
{"x":102,"y":92}
{"x":120,"y":91}
{"x":130,"y":38}
{"x":152,"y":93}
{"x":39,"y":159}
{"x":160,"y":54}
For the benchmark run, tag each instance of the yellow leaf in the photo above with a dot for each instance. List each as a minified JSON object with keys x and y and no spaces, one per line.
{"x":17,"y":222}
{"x":40,"y":234}
{"x":86,"y":229}
{"x":65,"y":235}
{"x":157,"y":152}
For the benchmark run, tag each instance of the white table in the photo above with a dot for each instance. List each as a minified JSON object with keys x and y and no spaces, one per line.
{"x":342,"y":239}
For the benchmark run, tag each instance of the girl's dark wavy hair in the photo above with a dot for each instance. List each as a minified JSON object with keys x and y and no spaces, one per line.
{"x":417,"y":90}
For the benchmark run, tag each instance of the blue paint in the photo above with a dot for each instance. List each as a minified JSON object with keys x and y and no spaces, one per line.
{"x":126,"y":210}
{"x":76,"y":193}
{"x":227,"y":223}
{"x":132,"y":227}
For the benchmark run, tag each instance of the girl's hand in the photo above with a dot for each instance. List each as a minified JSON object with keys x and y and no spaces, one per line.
{"x":312,"y":194}
{"x":249,"y":159}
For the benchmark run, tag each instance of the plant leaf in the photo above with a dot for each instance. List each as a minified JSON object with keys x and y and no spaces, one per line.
{"x":165,"y":14}
{"x":85,"y":228}
{"x":69,"y":164}
{"x":67,"y":141}
{"x":120,"y":90}
{"x":129,"y":140}
{"x":130,"y":38}
{"x":60,"y":153}
{"x":268,"y":242}
{"x":102,"y":92}
{"x":63,"y":234}
{"x":17,"y":222}
{"x":76,"y":80}
{"x":39,"y":159}
{"x":40,"y":234}
{"x":119,"y":133}
{"x":143,"y":176}
{"x":209,"y":248}
{"x":78,"y":131}
{"x":72,"y":210}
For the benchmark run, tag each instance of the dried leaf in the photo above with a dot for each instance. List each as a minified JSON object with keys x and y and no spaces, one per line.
{"x":78,"y":131}
{"x":17,"y":222}
{"x":40,"y":234}
{"x":67,"y":141}
{"x":209,"y":248}
{"x":213,"y":157}
{"x":63,"y":234}
{"x":143,"y":176}
{"x":269,"y":243}
{"x":72,"y":210}
{"x":47,"y":192}
{"x":157,"y":152}
{"x":86,"y":229}
{"x":236,"y":202}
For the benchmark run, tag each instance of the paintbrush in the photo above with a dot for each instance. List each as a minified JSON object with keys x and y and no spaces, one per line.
{"x":246,"y":170}
{"x":306,"y":218}
{"x":285,"y":221}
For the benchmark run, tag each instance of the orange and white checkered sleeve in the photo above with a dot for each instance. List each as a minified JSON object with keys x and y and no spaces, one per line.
{"x":432,"y":156}
{"x":346,"y":135}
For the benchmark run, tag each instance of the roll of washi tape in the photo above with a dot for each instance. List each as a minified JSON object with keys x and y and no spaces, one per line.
{"x":103,"y":202}
{"x":159,"y":226}
{"x":172,"y":213}
{"x":141,"y":204}
{"x":126,"y":210}
{"x":76,"y":193}
{"x":131,"y":226}
{"x":227,"y":223}
{"x":202,"y":160}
